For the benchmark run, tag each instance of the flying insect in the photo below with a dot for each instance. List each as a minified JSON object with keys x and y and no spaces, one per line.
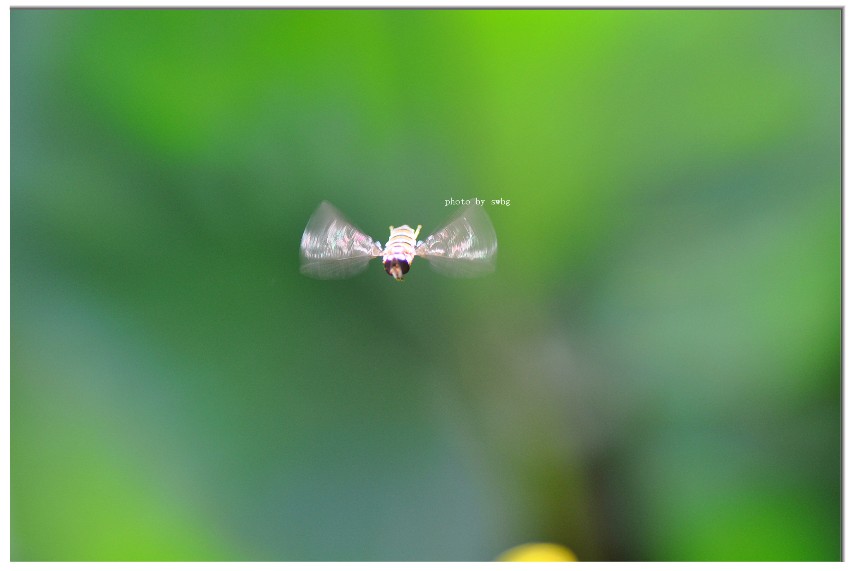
{"x":333,"y":248}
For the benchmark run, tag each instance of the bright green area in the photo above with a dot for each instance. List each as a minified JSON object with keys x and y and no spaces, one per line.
{"x":651,"y":374}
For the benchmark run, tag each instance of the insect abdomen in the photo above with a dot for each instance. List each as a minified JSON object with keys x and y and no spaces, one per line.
{"x":401,"y":244}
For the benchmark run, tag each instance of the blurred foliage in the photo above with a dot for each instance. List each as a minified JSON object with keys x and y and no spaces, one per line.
{"x":537,"y":552}
{"x":653,"y":372}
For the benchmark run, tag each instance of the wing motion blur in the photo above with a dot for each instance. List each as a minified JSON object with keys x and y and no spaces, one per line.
{"x":334,"y":248}
{"x":463,"y":248}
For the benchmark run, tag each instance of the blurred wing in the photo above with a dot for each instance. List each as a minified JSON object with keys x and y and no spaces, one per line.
{"x":332,"y":247}
{"x":463,"y":248}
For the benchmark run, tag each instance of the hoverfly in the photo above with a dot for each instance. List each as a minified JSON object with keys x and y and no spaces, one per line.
{"x":333,"y":248}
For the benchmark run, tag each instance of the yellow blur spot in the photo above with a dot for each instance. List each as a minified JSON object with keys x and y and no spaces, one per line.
{"x":538,"y":552}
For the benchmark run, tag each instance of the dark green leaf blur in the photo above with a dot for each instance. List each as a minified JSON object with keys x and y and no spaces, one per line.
{"x":652,"y":372}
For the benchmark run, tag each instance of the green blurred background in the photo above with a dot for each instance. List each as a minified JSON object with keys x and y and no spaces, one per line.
{"x":652,"y":373}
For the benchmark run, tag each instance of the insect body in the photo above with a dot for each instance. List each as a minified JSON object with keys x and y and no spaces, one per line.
{"x":333,"y":248}
{"x":400,"y":250}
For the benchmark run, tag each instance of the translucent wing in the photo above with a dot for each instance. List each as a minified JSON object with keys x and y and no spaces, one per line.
{"x":463,"y":248}
{"x":334,"y":248}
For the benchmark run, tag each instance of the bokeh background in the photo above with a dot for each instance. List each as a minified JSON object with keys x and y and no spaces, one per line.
{"x":652,"y":373}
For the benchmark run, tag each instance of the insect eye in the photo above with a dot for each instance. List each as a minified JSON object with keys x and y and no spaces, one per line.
{"x":389,"y":264}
